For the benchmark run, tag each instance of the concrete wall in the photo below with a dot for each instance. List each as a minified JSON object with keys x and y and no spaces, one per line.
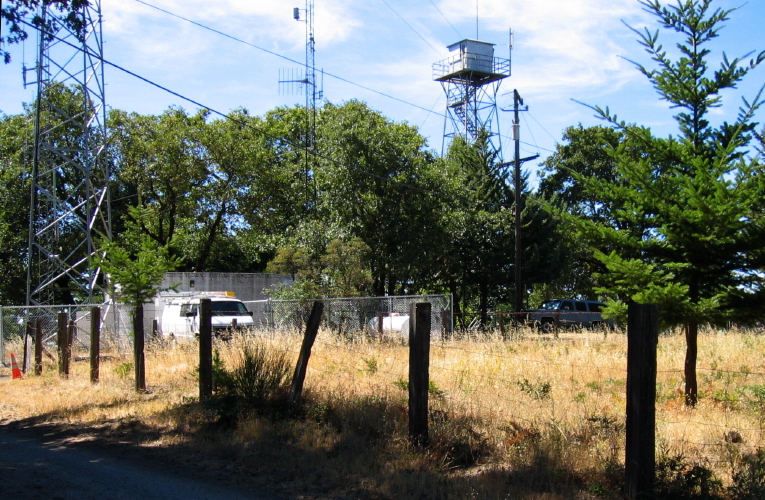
{"x":247,"y":286}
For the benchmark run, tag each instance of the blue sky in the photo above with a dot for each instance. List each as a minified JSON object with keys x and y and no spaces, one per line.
{"x":383,"y":51}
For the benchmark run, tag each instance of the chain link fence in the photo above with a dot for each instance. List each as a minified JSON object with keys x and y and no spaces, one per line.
{"x":346,"y":317}
{"x":354,"y":316}
{"x":116,"y":325}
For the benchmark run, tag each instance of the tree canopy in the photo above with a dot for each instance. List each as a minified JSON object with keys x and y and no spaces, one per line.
{"x":21,"y":15}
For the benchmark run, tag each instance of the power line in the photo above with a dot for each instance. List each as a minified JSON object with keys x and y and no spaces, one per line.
{"x":339,"y":78}
{"x":445,"y":19}
{"x":542,"y":127}
{"x":431,"y":111}
{"x":262,"y":133}
{"x":345,"y":80}
{"x":411,"y":28}
{"x":240,"y":122}
{"x":531,"y":133}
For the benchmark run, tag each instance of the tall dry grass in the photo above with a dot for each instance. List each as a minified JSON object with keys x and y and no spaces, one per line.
{"x":527,"y":417}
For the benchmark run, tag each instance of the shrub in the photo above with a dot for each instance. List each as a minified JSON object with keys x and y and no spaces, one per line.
{"x":749,"y":480}
{"x":676,"y":479}
{"x":259,"y":374}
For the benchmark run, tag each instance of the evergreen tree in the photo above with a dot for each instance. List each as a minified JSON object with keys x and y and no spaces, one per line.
{"x":688,"y":212}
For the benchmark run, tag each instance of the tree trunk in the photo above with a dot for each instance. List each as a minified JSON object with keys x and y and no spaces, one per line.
{"x":692,"y":347}
{"x":457,"y":313}
{"x":484,"y":303}
{"x":691,"y":353}
{"x":211,"y":236}
{"x":138,"y":351}
{"x":391,"y":285}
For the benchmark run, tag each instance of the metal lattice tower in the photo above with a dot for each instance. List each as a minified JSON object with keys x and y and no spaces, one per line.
{"x":69,"y":200}
{"x":312,"y":94}
{"x":471,"y":78}
{"x":309,"y":86}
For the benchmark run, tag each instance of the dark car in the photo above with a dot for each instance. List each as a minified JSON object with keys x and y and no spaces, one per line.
{"x":567,"y":314}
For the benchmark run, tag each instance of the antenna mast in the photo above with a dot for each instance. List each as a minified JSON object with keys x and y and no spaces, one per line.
{"x":312,"y":92}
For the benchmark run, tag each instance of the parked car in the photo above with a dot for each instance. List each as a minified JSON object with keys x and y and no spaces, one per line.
{"x":567,"y":314}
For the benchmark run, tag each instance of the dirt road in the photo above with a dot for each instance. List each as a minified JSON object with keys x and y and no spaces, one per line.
{"x":42,"y":463}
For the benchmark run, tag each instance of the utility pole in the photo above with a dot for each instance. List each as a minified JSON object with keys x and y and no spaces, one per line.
{"x":517,"y":101}
{"x":519,"y":292}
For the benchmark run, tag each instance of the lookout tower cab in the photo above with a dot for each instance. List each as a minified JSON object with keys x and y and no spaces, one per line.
{"x":471,"y":77}
{"x":471,"y":62}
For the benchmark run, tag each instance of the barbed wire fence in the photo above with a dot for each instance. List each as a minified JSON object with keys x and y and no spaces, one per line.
{"x":116,"y":325}
{"x":520,"y":385}
{"x":516,"y":383}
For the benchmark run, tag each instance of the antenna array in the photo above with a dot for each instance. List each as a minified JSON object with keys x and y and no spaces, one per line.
{"x":307,"y":82}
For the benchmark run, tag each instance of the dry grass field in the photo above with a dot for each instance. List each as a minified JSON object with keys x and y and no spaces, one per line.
{"x":526,"y":416}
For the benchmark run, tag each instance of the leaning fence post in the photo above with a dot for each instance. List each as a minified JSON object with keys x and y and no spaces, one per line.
{"x":205,"y":349}
{"x":95,"y":343}
{"x":312,"y":329}
{"x":640,"y":454}
{"x":419,"y":372}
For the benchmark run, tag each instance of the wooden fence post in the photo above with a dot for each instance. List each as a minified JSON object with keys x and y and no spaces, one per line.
{"x":419,"y":372}
{"x":38,"y":346}
{"x":640,"y":453}
{"x":138,"y":345}
{"x":70,"y":333}
{"x":446,"y":325}
{"x":311,"y":330}
{"x":205,"y":349}
{"x":29,"y":334}
{"x":95,"y":343}
{"x":63,"y":331}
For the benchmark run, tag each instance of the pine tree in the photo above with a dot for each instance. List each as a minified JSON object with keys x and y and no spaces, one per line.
{"x":689,"y":209}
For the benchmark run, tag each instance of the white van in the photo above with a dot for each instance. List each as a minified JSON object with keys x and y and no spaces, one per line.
{"x":179,"y":314}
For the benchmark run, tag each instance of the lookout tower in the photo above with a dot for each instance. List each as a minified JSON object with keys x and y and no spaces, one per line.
{"x":471,"y":77}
